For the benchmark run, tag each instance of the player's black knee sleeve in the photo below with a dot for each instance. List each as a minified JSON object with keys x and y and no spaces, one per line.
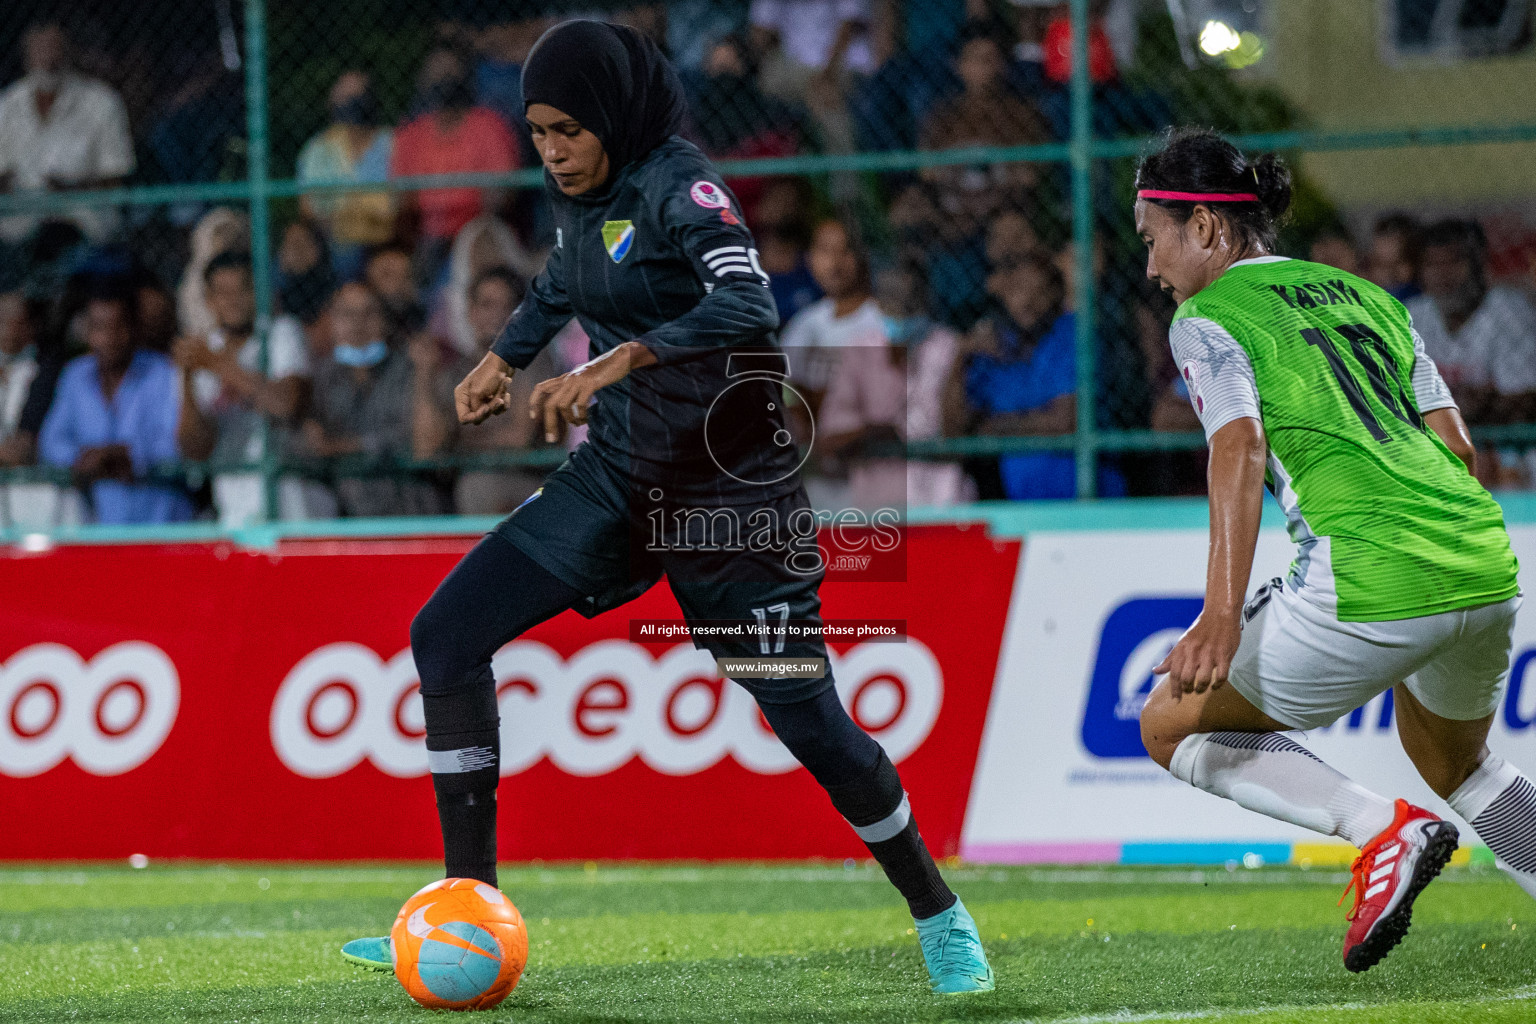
{"x":873,"y":800}
{"x":823,"y":738}
{"x":439,"y":651}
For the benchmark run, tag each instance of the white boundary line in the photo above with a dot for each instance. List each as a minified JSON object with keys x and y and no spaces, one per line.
{"x":1518,"y":995}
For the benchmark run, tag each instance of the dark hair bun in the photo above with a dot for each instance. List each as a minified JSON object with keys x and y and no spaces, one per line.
{"x":1274,"y":185}
{"x":1200,"y":160}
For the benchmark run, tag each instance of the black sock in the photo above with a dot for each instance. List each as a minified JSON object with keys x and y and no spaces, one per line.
{"x":464,"y":753}
{"x":876,"y":806}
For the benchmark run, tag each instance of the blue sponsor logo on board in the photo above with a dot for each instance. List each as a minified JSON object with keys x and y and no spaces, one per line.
{"x":1136,"y":637}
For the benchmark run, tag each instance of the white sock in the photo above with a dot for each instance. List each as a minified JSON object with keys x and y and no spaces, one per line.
{"x":1278,"y":777}
{"x":1500,"y":804}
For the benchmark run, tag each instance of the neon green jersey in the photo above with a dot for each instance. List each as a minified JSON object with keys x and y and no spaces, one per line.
{"x":1390,"y":523}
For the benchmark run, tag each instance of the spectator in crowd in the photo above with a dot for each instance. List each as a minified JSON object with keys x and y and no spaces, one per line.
{"x":220,"y":230}
{"x":734,"y":118}
{"x":1017,"y":375}
{"x":60,"y":130}
{"x":1482,"y":338}
{"x":694,"y":26}
{"x":1393,"y":260}
{"x":1167,"y":408}
{"x":362,"y":407}
{"x":225,"y":394}
{"x":199,"y":134}
{"x":1011,"y":237}
{"x":305,"y":277}
{"x":450,"y":135}
{"x":890,"y":390}
{"x":20,"y":327}
{"x":1334,"y":248}
{"x":27,"y":381}
{"x":114,"y":419}
{"x":500,"y":51}
{"x":987,"y":111}
{"x":911,"y":44}
{"x":1043,"y":67}
{"x":814,"y":53}
{"x":848,"y":315}
{"x":355,"y":147}
{"x":157,"y":312}
{"x":782,"y":225}
{"x":485,"y":243}
{"x":388,"y":274}
{"x":1478,"y":332}
{"x":810,"y":39}
{"x":492,"y":296}
{"x":1171,"y":410}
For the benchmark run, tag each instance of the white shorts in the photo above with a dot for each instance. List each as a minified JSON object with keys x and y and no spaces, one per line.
{"x":1300,"y":665}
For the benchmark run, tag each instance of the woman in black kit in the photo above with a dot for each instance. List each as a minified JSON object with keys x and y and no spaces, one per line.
{"x":653,"y":259}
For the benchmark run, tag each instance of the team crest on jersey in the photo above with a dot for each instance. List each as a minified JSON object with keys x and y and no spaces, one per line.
{"x":618,"y":236}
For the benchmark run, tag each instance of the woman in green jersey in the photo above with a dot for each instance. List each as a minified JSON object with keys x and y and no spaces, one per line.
{"x":1313,"y":382}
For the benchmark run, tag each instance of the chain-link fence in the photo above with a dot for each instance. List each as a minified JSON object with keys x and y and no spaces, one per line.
{"x":315,"y":217}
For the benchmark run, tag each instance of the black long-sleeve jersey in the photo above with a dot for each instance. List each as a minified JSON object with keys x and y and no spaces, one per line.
{"x":662,"y":257}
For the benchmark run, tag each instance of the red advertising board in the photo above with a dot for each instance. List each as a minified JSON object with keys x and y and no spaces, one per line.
{"x":205,"y":700}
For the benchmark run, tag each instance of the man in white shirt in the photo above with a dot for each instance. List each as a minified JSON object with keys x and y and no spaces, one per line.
{"x":1482,"y":338}
{"x":848,"y":315}
{"x":816,"y":34}
{"x":225,"y":395}
{"x":61,"y":131}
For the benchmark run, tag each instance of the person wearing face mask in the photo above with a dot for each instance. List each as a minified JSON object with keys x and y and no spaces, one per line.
{"x":889,"y":390}
{"x":449,"y":135}
{"x":353,"y":147}
{"x":60,"y":130}
{"x":362,"y":407}
{"x":1482,"y":337}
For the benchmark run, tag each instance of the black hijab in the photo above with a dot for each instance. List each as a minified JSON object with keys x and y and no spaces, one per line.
{"x":613,"y":81}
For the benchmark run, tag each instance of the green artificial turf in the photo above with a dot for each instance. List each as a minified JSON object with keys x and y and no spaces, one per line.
{"x":618,"y":944}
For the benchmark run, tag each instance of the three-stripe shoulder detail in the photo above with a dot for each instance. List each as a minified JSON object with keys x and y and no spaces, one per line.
{"x":729,"y":259}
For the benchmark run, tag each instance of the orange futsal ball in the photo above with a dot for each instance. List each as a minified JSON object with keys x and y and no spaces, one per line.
{"x":459,"y":944}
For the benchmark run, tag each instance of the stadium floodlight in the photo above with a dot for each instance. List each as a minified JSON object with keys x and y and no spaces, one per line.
{"x":1226,"y":32}
{"x":1217,"y":38}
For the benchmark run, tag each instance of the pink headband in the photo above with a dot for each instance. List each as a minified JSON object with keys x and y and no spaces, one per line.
{"x":1198,"y":197}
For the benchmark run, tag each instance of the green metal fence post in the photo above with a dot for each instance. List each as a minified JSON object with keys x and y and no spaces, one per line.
{"x":261,"y":233}
{"x":1082,"y":244}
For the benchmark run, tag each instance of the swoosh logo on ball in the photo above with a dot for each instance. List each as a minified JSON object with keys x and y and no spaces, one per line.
{"x":417,"y":924}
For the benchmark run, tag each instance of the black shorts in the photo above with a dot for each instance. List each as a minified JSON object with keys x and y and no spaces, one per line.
{"x":753,"y":563}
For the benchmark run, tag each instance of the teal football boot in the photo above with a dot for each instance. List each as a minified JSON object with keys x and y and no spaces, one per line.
{"x":371,"y":954}
{"x":952,"y":949}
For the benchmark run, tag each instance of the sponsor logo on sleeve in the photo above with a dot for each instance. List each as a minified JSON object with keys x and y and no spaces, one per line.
{"x":710,"y":196}
{"x":1192,"y":387}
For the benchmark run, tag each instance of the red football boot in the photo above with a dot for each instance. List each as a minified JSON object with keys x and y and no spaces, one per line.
{"x":1390,"y":873}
